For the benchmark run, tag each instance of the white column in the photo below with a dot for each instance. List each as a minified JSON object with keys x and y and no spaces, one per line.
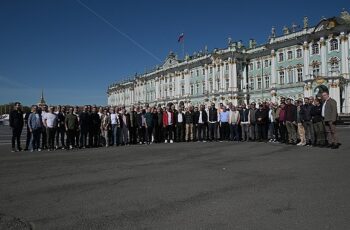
{"x":323,"y":57}
{"x":234,"y":76}
{"x":306,"y":58}
{"x":230,"y":74}
{"x":187,"y":82}
{"x":206,"y":77}
{"x":157,"y":88}
{"x":344,"y":45}
{"x":222,"y":77}
{"x":273,"y":70}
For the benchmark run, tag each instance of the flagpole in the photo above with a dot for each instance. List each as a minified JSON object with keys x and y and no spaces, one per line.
{"x":183,"y":48}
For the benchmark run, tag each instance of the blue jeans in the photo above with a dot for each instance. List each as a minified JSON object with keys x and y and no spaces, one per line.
{"x":115,"y":135}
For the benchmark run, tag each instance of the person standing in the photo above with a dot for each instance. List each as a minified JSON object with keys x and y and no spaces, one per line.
{"x":301,"y":130}
{"x":16,"y":123}
{"x":158,"y":134}
{"x":213,"y":121}
{"x":35,"y":127}
{"x":105,"y":126}
{"x":125,"y":124}
{"x":244,"y":117}
{"x":253,"y":131}
{"x":168,"y":124}
{"x":291,"y":121}
{"x":202,"y":122}
{"x":141,"y":128}
{"x":84,"y":122}
{"x":180,"y":120}
{"x":272,"y":123}
{"x":71,"y":124}
{"x":95,"y":128}
{"x":114,"y":127}
{"x":261,"y":120}
{"x":43,"y":110}
{"x":149,"y":125}
{"x":282,"y":123}
{"x":318,"y":125}
{"x":234,"y":119}
{"x":29,"y":134}
{"x":329,"y":113}
{"x":224,"y":124}
{"x":50,"y":123}
{"x":60,"y":131}
{"x":189,"y":120}
{"x":305,"y":112}
{"x":133,"y":126}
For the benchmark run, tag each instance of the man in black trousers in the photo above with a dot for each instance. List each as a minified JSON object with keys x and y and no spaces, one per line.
{"x":16,"y":124}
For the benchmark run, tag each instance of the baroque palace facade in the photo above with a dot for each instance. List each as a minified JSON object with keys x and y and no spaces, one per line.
{"x":297,"y":64}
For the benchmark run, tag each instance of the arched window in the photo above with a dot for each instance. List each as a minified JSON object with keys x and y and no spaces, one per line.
{"x":299,"y":53}
{"x":315,"y":49}
{"x":182,"y":90}
{"x":259,"y":82}
{"x":280,"y":57}
{"x":290,"y":55}
{"x":290,"y":76}
{"x":300,"y":74}
{"x":197,"y":88}
{"x":210,"y":85}
{"x":281,"y":73}
{"x":267,"y":82}
{"x":333,"y":44}
{"x":192,"y":90}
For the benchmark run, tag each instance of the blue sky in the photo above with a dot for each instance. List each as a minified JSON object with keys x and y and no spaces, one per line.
{"x":64,"y":48}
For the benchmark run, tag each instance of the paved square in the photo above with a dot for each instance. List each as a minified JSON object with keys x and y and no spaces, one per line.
{"x":179,"y":186}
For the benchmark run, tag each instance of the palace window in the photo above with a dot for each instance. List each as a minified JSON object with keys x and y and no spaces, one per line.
{"x":315,"y":49}
{"x":218,"y":82}
{"x":258,"y":65}
{"x":316,"y":70}
{"x":210,"y":85}
{"x":290,"y":76}
{"x":218,"y":68}
{"x":251,"y":66}
{"x":197,"y":72}
{"x":227,"y":85}
{"x":300,"y":74}
{"x":203,"y":88}
{"x":334,"y":44}
{"x":280,"y":57}
{"x":290,"y":55}
{"x":226,"y":66}
{"x":182,"y":76}
{"x":211,"y":70}
{"x":197,"y":88}
{"x":299,"y":53}
{"x":191,"y":73}
{"x":203,"y":71}
{"x":266,"y":63}
{"x":182,"y":90}
{"x":267,"y":82}
{"x":192,"y":90}
{"x":281,"y":73}
{"x":259,"y":82}
{"x":251,"y":82}
{"x":334,"y":66}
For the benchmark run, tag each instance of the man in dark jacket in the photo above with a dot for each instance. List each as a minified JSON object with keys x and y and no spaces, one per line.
{"x":84,"y":121}
{"x":261,"y":120}
{"x":318,"y":125}
{"x":291,"y":121}
{"x":16,"y":124}
{"x":202,"y":122}
{"x":95,"y":127}
{"x":305,"y":115}
{"x":244,"y":116}
{"x":179,"y":119}
{"x":133,"y":126}
{"x":213,"y":122}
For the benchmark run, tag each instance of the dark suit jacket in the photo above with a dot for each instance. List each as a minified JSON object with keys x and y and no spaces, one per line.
{"x":330,"y":113}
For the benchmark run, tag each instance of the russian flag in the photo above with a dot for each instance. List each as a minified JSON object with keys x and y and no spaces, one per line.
{"x":181,"y":37}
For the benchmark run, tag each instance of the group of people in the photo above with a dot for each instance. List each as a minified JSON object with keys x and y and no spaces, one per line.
{"x":305,"y":122}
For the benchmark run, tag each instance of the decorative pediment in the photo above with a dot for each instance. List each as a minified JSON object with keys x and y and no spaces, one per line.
{"x":170,"y":61}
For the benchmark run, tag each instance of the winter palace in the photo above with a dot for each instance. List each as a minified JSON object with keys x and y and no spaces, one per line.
{"x":300,"y":63}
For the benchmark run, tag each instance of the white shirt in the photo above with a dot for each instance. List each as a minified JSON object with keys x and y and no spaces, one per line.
{"x":114,"y":118}
{"x":50,"y":119}
{"x":200,"y":119}
{"x":324,"y":107}
{"x":270,"y":116}
{"x":170,"y":122}
{"x":179,"y":118}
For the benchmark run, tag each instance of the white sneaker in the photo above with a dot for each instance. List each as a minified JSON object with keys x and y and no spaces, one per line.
{"x":165,"y":141}
{"x":39,"y":150}
{"x":171,"y":141}
{"x":204,"y":141}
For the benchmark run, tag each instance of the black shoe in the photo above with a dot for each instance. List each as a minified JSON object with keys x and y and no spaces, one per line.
{"x":335,"y":146}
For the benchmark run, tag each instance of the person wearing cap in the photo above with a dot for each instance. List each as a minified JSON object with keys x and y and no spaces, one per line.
{"x":291,"y":121}
{"x":329,"y":113}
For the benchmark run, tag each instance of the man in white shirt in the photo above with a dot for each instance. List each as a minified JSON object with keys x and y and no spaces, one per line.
{"x":50,"y":124}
